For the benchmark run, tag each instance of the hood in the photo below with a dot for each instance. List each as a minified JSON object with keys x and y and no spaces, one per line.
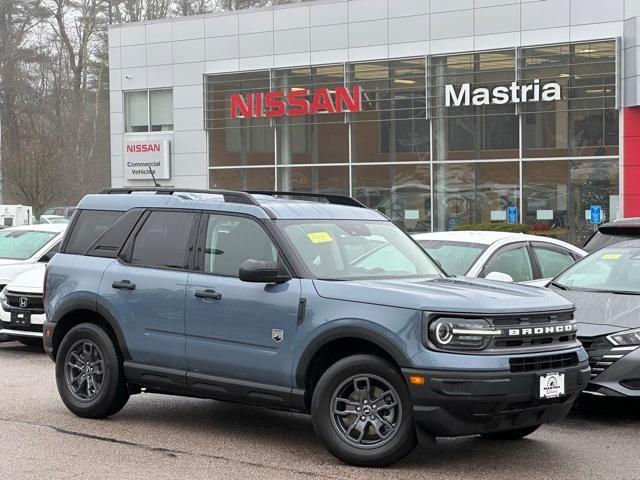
{"x":9,"y":271}
{"x":9,"y":261}
{"x":30,"y":281}
{"x":460,"y":295}
{"x":599,"y":308}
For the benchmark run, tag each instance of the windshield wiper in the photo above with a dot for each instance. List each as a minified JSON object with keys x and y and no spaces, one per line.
{"x":560,"y":286}
{"x":625,"y":292}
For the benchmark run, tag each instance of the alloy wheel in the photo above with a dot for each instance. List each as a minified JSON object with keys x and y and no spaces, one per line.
{"x":366,"y":411}
{"x":84,"y":370}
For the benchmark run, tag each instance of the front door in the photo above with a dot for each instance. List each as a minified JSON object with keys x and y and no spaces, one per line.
{"x":238,"y":330}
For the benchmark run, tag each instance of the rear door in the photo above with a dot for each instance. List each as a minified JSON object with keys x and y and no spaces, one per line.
{"x":236,"y":329}
{"x":145,"y":289}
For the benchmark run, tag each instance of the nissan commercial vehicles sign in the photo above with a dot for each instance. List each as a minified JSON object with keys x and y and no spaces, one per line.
{"x":143,"y":157}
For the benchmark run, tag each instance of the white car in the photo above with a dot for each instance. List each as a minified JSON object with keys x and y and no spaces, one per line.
{"x":509,"y":257}
{"x":44,"y":219}
{"x":22,"y":314}
{"x":26,"y":247}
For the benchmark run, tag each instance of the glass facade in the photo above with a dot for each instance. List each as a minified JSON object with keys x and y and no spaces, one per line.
{"x":439,"y":142}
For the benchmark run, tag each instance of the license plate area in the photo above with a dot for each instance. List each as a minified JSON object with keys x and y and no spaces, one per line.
{"x":552,"y":385}
{"x":22,"y":319}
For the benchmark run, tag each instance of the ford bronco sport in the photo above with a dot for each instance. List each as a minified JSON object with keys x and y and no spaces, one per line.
{"x":324,"y":307}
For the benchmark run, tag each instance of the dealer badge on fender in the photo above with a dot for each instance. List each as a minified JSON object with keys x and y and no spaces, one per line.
{"x":277,"y":335}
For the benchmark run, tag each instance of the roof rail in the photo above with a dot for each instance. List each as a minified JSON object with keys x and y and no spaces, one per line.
{"x":229,"y":196}
{"x":330,"y":198}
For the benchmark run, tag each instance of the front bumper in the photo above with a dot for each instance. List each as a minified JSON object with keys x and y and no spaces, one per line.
{"x":12,"y":322}
{"x":456,"y":403}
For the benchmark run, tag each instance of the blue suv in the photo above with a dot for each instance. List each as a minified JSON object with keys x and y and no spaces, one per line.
{"x":310,"y":303}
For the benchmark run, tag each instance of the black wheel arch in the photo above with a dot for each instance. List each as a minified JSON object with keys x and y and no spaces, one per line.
{"x":346,"y":332}
{"x":74,"y":312}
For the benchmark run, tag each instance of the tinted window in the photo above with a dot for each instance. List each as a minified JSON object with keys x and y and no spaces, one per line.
{"x":552,"y":261}
{"x":600,"y":240}
{"x":232,"y":240}
{"x":89,"y":226}
{"x":514,"y":262}
{"x":164,"y":240}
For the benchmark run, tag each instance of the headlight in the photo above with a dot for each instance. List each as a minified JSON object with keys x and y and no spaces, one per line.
{"x":461,"y":333}
{"x":626,"y":337}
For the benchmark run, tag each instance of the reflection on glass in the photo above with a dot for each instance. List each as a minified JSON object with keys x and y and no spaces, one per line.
{"x":242,"y":179}
{"x":585,"y":121}
{"x":402,"y":192}
{"x":471,"y":193}
{"x":393,"y":125}
{"x":241,"y":141}
{"x":324,"y":179}
{"x":311,"y":139}
{"x":558,"y":195}
{"x":473,"y":132}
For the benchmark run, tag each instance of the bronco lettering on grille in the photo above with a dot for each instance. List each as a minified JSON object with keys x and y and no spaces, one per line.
{"x":517,"y":332}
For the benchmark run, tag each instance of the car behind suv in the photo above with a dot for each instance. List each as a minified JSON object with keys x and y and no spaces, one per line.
{"x":324,"y":307}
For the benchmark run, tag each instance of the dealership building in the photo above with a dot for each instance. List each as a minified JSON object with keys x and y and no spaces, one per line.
{"x":439,"y":113}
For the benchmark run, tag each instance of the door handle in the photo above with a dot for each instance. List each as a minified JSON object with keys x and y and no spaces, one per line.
{"x":208,"y":294}
{"x":124,"y":285}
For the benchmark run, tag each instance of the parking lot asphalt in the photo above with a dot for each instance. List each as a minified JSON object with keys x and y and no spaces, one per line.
{"x":166,"y":437}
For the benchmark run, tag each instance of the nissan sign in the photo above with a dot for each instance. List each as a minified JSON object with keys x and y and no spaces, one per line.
{"x":146,"y":156}
{"x":296,"y":102}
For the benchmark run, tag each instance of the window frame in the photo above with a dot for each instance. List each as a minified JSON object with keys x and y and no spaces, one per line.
{"x":535,"y":269}
{"x":124,"y":256}
{"x":148,"y":92}
{"x":292,"y":269}
{"x":535,"y":260}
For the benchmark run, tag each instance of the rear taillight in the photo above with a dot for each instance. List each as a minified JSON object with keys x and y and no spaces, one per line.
{"x":44,"y":283}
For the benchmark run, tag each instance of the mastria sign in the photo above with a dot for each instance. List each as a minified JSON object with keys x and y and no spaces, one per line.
{"x":502,"y":94}
{"x":296,"y":102}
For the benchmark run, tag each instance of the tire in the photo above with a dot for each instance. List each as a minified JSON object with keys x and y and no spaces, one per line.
{"x":515,"y":434}
{"x":383,"y":438}
{"x":103,"y":391}
{"x":32,"y":342}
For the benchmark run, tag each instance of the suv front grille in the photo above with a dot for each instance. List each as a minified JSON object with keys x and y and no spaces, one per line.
{"x":34,"y":302}
{"x":521,"y":331}
{"x":543,"y":362}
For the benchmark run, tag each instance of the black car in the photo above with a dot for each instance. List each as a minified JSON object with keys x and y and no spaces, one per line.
{"x":605,"y":287}
{"x":612,"y":233}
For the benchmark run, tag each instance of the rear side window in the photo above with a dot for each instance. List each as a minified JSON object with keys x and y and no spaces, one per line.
{"x":165,"y":240}
{"x":88,"y":227}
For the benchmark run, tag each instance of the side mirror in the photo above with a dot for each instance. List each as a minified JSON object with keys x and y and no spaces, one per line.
{"x":47,"y":257}
{"x":261,"y":271}
{"x":499,"y":277}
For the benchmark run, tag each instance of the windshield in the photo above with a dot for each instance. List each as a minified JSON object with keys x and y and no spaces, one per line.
{"x":22,"y":244}
{"x":348,"y":250}
{"x":610,"y":269}
{"x":456,"y":258}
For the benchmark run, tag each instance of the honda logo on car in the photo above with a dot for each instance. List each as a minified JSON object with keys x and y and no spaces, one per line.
{"x":143,"y":157}
{"x":502,"y":94}
{"x":296,"y":102}
{"x":542,"y":330}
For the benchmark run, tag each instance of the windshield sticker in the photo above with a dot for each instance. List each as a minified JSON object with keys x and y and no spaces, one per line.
{"x":611,"y":256}
{"x":319,"y":237}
